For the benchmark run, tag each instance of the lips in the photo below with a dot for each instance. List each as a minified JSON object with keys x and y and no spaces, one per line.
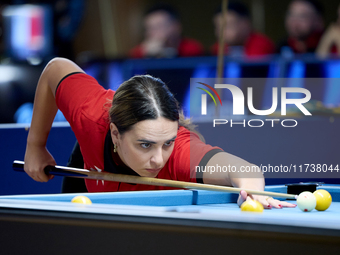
{"x":153,"y":170}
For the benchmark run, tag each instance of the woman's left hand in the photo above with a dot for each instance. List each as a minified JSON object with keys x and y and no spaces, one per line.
{"x":266,"y":201}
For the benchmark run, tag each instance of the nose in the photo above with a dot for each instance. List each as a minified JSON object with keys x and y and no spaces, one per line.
{"x":157,"y":158}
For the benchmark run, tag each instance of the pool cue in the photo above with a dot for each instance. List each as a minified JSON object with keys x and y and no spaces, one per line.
{"x":221,"y":49}
{"x":109,"y":29}
{"x":94,"y":175}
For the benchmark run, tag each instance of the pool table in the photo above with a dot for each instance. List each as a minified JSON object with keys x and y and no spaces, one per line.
{"x":163,"y":222}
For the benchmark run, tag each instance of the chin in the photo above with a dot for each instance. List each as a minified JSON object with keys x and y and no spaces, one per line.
{"x":145,"y":173}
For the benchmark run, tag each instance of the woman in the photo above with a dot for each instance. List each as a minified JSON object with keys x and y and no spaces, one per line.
{"x":142,"y":133}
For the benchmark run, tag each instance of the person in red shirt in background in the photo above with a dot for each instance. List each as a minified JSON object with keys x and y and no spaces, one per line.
{"x":304,"y":25}
{"x":239,"y":36}
{"x":163,"y":36}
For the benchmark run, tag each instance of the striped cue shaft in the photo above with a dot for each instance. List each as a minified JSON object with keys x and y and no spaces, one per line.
{"x":87,"y":174}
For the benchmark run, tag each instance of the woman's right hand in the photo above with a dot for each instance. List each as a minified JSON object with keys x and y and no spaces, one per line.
{"x":37,"y":158}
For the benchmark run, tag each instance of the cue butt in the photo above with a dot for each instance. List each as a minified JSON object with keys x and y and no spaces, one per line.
{"x":53,"y":170}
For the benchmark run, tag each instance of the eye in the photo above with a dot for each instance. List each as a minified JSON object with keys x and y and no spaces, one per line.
{"x":168,"y":143}
{"x":145,"y":145}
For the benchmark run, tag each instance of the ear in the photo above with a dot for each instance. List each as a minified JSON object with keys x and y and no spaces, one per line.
{"x":114,"y":133}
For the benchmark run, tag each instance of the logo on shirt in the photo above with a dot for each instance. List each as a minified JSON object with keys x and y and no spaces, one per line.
{"x":96,"y":169}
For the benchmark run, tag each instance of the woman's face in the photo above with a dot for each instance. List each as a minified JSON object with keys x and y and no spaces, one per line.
{"x":147,"y":146}
{"x":302,"y":20}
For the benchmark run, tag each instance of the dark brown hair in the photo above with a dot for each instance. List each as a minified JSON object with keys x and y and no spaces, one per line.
{"x":144,"y":97}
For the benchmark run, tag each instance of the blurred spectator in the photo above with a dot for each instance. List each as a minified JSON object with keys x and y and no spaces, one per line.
{"x":330,"y":41}
{"x":239,"y":36}
{"x":163,"y":36}
{"x":304,"y":25}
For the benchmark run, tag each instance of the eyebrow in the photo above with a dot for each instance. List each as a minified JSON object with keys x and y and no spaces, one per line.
{"x":152,"y":142}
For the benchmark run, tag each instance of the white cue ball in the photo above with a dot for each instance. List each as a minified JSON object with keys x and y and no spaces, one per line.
{"x":306,"y":201}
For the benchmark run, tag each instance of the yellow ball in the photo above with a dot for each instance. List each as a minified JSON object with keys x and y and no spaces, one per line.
{"x":323,"y":199}
{"x":81,"y":200}
{"x":251,"y":206}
